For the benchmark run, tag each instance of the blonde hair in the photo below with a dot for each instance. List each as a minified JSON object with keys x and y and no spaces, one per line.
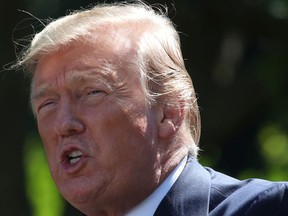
{"x":159,"y":58}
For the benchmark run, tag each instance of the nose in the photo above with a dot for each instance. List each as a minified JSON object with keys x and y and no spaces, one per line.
{"x":68,"y":122}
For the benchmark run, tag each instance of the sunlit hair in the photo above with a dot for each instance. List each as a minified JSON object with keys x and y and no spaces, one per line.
{"x":159,"y":58}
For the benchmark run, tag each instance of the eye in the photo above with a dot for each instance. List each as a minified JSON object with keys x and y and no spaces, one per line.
{"x":46,"y":104}
{"x":93,"y":95}
{"x":93,"y":92}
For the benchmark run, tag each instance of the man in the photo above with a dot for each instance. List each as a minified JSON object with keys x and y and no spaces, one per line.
{"x":118,"y":117}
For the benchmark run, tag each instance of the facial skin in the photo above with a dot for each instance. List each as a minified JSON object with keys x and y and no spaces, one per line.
{"x":102,"y":140}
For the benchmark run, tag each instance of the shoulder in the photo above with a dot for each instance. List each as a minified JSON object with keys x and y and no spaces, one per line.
{"x":273,"y":200}
{"x":250,"y":197}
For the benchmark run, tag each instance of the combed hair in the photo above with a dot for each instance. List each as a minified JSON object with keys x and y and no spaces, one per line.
{"x":159,"y":58}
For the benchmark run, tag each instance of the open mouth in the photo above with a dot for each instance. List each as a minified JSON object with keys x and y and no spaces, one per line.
{"x":74,"y":156}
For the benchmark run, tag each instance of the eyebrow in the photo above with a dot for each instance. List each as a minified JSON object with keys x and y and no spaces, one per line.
{"x":41,"y":92}
{"x":105,"y":75}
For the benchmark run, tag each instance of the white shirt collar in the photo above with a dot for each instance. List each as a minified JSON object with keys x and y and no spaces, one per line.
{"x":150,"y":204}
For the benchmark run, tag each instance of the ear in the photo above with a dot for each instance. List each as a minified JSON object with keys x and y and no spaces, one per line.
{"x":172,"y":118}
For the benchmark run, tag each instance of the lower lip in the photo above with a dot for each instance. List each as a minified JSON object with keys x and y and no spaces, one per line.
{"x":75,"y":167}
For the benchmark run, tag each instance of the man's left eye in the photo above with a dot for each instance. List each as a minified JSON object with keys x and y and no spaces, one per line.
{"x":94,"y":92}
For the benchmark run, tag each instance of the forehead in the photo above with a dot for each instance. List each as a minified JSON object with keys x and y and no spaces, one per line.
{"x":103,"y":55}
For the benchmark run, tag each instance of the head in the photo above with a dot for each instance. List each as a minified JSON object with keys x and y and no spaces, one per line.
{"x":114,"y":104}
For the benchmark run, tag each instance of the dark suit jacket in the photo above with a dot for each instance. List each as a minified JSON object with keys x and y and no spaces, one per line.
{"x":202,"y":191}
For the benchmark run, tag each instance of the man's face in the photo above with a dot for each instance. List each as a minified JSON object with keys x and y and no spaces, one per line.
{"x":99,"y":134}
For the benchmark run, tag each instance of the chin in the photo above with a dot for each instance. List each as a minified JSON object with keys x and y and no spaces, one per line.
{"x":83,"y":192}
{"x":74,"y":193}
{"x":77,"y":196}
{"x":84,"y":202}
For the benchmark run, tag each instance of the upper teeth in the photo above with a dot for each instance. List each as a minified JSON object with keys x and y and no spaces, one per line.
{"x":74,"y":156}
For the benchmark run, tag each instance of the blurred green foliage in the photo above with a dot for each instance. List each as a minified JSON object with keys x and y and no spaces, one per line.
{"x":273,"y":147}
{"x":41,"y":191}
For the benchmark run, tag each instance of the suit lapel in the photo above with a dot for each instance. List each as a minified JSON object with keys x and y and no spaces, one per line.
{"x":189,"y":196}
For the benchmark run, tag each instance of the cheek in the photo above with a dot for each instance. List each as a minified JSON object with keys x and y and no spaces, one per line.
{"x":117,"y":130}
{"x":46,"y":134}
{"x":45,"y":125}
{"x":125,"y":124}
{"x":49,"y":142}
